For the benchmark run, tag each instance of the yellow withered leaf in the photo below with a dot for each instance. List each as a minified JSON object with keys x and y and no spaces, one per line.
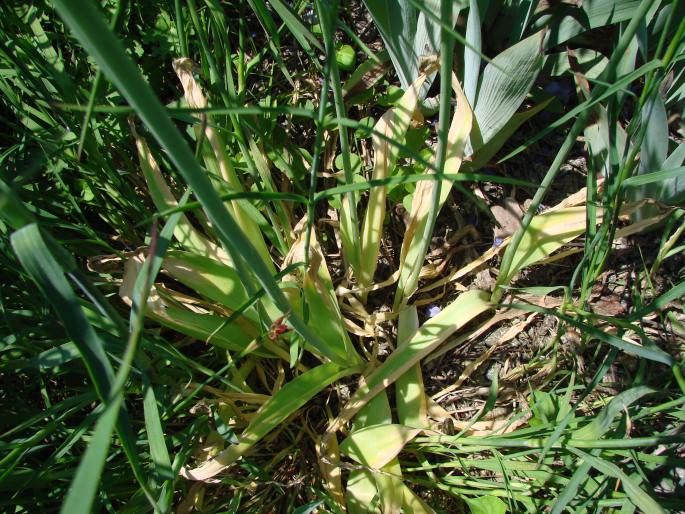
{"x":393,"y":124}
{"x":413,"y":249}
{"x":164,"y":199}
{"x":546,"y":233}
{"x":195,"y":98}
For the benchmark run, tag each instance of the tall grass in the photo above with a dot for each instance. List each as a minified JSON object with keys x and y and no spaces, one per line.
{"x":207,"y":304}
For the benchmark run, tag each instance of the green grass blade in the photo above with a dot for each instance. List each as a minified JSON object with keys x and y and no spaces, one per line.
{"x":303,"y":35}
{"x":580,"y":475}
{"x":43,"y":260}
{"x":411,"y":400}
{"x":159,"y":454}
{"x":34,"y":252}
{"x":87,"y":479}
{"x":349,"y":222}
{"x":637,"y":495}
{"x":652,"y":353}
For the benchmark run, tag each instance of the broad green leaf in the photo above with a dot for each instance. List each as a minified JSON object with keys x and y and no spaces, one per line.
{"x":503,"y":86}
{"x":590,"y":63}
{"x":653,"y":151}
{"x":485,"y":153}
{"x":472,"y":53}
{"x":599,"y":142}
{"x":590,"y":15}
{"x":598,"y":94}
{"x":409,"y":34}
{"x":324,"y":310}
{"x":275,"y":411}
{"x":213,"y":280}
{"x":413,"y":504}
{"x":486,"y":505}
{"x":410,"y":395}
{"x":426,"y":41}
{"x":396,"y":21}
{"x":36,"y":252}
{"x":367,"y":74}
{"x":360,"y":492}
{"x":387,"y":482}
{"x":672,"y":189}
{"x":182,"y":313}
{"x":676,"y":158}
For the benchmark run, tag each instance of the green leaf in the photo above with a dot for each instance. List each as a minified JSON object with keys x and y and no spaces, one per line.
{"x":45,"y":262}
{"x":409,"y":34}
{"x":472,"y":53}
{"x":212,"y":279}
{"x":298,"y":29}
{"x":653,"y":151}
{"x":410,"y":394}
{"x":546,"y":233}
{"x":346,"y":57}
{"x":637,"y":495}
{"x":655,"y":176}
{"x":590,"y":15}
{"x":387,"y":483}
{"x":598,"y":95}
{"x":155,"y":434}
{"x":360,"y":492}
{"x":485,"y":153}
{"x":504,"y":85}
{"x":86,"y":481}
{"x":590,"y":63}
{"x":652,"y":352}
{"x":603,"y":421}
{"x":362,"y":445}
{"x":486,"y":505}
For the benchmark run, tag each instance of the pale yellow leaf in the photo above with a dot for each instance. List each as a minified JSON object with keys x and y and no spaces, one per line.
{"x":377,"y":445}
